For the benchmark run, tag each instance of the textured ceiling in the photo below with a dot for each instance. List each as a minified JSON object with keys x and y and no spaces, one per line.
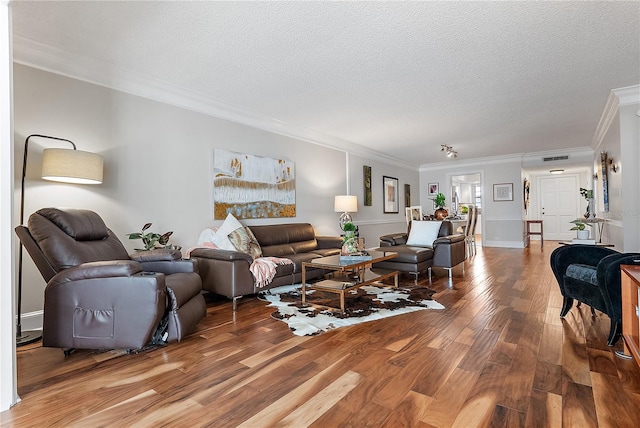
{"x":399,"y":78}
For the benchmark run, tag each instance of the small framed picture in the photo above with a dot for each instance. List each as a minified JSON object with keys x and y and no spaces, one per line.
{"x":391,"y":195}
{"x":413,"y":213}
{"x":503,"y":192}
{"x":433,"y":189}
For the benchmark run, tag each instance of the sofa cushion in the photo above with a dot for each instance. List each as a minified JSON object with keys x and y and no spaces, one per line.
{"x":221,"y":237}
{"x":423,"y":233}
{"x":410,"y":254}
{"x":584,"y":273}
{"x":245,"y":242}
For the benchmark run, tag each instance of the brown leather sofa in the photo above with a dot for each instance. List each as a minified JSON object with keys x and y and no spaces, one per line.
{"x":448,"y":250}
{"x":99,"y":297}
{"x":227,"y":273}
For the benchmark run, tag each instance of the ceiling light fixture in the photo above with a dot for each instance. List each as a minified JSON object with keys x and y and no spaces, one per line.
{"x":556,"y":171}
{"x":449,"y":150}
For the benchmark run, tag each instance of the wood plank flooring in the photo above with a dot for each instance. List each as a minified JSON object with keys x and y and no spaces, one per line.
{"x":498,"y":355}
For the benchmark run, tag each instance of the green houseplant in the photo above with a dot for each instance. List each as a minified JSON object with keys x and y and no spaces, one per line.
{"x":580,"y":227}
{"x":152,"y":240}
{"x":440,"y":213}
{"x":349,"y":239}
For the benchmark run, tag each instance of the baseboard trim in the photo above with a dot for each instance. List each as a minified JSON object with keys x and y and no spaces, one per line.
{"x":503,"y":244}
{"x":32,"y":320}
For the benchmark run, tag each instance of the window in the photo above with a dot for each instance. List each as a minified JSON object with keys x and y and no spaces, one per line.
{"x":477,"y":195}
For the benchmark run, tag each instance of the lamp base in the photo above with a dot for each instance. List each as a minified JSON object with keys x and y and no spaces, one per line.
{"x":27,"y":337}
{"x":344,"y":218}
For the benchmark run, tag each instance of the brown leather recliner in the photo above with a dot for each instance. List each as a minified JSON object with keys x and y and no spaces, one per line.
{"x":99,"y":297}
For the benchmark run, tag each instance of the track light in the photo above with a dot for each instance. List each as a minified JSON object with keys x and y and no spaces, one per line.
{"x":449,"y":150}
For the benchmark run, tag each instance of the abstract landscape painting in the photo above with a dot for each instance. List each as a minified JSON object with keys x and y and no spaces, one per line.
{"x":250,"y":186}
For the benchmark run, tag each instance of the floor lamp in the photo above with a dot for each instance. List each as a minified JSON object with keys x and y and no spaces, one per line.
{"x":63,"y":165}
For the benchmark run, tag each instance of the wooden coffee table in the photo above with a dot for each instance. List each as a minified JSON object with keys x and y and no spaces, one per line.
{"x":348,"y":274}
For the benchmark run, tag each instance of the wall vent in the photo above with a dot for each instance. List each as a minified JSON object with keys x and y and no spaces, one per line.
{"x":555,"y":158}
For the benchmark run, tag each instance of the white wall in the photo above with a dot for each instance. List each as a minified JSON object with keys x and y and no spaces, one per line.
{"x":159,"y":161}
{"x":618,"y":134}
{"x":629,"y":160}
{"x":501,"y":222}
{"x":371,"y":221}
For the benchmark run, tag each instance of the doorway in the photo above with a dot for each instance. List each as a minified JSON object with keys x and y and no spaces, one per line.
{"x":558,"y":205}
{"x":466,"y":189}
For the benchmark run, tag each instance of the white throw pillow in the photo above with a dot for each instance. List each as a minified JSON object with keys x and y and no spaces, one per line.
{"x":423,"y":233}
{"x":221,"y":237}
{"x":206,"y":236}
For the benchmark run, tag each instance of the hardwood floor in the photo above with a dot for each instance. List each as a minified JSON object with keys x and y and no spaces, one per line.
{"x":498,"y":355}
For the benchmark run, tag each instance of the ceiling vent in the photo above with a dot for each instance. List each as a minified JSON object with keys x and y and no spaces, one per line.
{"x":555,"y":158}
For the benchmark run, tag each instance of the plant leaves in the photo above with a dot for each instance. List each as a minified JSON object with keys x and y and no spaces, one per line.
{"x":146,"y":226}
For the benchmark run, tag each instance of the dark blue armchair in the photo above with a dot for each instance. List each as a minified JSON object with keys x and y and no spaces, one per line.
{"x":591,"y":275}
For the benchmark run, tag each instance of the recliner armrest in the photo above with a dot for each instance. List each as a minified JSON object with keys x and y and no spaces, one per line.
{"x":218,"y":254}
{"x":93,"y":270}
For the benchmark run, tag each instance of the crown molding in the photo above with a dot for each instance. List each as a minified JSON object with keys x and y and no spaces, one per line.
{"x":578,"y":154}
{"x":620,"y":97}
{"x":471,"y":162}
{"x":628,"y":96}
{"x":48,"y":58}
{"x":609,"y":113}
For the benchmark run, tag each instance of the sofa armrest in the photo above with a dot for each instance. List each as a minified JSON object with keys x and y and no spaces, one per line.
{"x":449,"y":251}
{"x":449,"y":239}
{"x":328,"y":242}
{"x":393,"y":239}
{"x":171,"y":267}
{"x":218,"y":254}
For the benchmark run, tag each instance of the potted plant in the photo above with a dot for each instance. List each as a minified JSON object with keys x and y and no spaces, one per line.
{"x":580,"y":227}
{"x":440,"y":213}
{"x":152,"y":240}
{"x":349,"y":239}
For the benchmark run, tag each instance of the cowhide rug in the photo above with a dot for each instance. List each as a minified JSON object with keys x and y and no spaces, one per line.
{"x":367,"y":303}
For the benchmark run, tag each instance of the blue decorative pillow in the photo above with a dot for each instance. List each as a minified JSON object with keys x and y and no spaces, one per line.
{"x":584,"y":273}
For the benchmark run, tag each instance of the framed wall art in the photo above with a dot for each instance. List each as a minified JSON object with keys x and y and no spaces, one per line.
{"x":250,"y":186}
{"x":366,"y":178}
{"x":413,"y":213}
{"x":407,"y":195}
{"x":525,"y":193}
{"x":605,"y":181}
{"x":391,"y":196}
{"x":503,"y":192}
{"x":433,"y":189}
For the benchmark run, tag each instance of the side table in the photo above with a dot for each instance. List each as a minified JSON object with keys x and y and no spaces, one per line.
{"x":630,"y":312}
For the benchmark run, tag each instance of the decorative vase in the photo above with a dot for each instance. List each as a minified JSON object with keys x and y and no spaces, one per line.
{"x":441,"y":213}
{"x":591,"y":208}
{"x":349,"y":244}
{"x":583,"y":234}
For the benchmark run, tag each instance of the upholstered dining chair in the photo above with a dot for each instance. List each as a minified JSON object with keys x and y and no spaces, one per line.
{"x":98,"y":296}
{"x":470,"y":229}
{"x":591,"y":275}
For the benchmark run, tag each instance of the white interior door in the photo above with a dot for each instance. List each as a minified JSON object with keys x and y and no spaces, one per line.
{"x":558,"y":206}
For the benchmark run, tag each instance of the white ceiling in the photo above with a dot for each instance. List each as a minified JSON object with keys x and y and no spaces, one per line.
{"x":399,"y":78}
